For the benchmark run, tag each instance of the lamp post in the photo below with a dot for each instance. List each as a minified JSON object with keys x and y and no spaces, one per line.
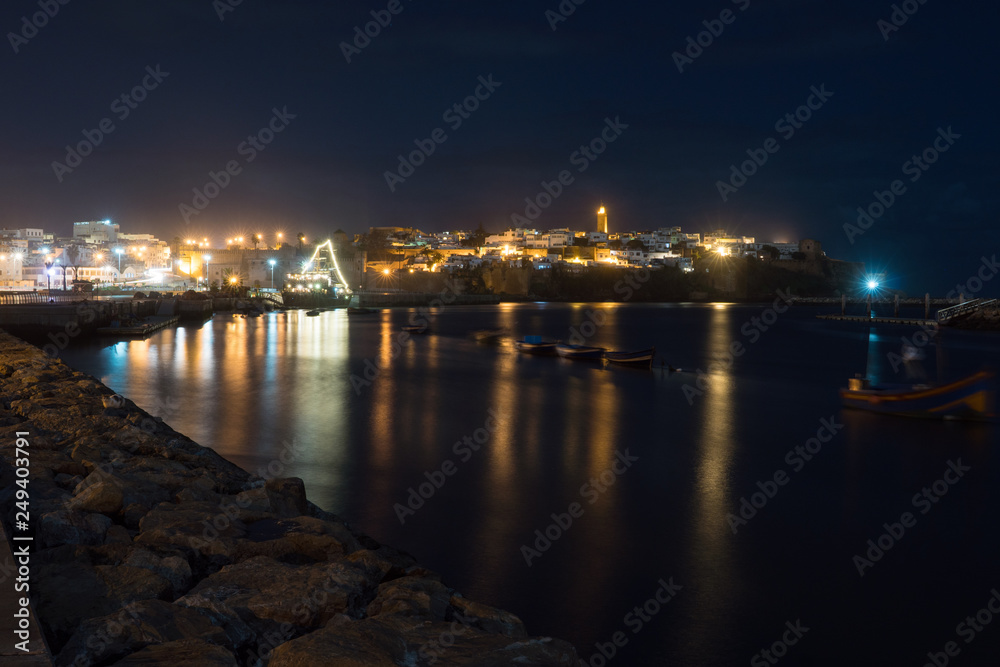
{"x":271,"y":262}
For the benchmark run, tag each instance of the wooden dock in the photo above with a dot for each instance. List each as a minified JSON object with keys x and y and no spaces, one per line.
{"x":907,"y":321}
{"x":152,"y":325}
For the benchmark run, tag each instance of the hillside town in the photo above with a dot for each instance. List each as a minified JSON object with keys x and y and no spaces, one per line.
{"x":99,"y":255}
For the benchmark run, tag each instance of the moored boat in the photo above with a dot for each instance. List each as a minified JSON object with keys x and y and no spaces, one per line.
{"x":414,"y":329}
{"x":312,"y":313}
{"x":579,"y":352}
{"x":535,"y":345}
{"x":639,"y":358}
{"x":354,"y":310}
{"x":972,"y":397}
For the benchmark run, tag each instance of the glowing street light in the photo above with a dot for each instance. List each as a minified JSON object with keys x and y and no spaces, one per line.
{"x":119,"y":251}
{"x":872,"y":285}
{"x":272,"y":262}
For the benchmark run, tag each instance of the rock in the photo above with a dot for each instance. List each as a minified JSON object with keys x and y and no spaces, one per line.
{"x":71,"y":527}
{"x":288,"y":496}
{"x":103,"y":639}
{"x":422,"y":598}
{"x":489,"y":619}
{"x":60,"y":613}
{"x":174,"y":569}
{"x":299,"y":540}
{"x":126,"y":583}
{"x":405,"y":641}
{"x":103,"y":497}
{"x":201,"y":527}
{"x":305,"y":596}
{"x":181,"y":653}
{"x":117,"y":535}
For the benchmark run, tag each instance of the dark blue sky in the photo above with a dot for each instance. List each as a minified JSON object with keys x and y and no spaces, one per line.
{"x":606,"y":60}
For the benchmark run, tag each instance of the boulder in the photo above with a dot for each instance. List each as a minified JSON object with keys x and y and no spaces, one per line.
{"x":71,"y":526}
{"x":305,"y":596}
{"x":180,"y":653}
{"x":103,"y":639}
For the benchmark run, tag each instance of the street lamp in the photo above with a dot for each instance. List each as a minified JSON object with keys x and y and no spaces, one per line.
{"x":271,"y":262}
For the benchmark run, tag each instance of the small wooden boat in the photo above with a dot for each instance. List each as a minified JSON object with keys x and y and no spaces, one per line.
{"x":580,"y":352}
{"x":535,"y":345}
{"x":413,"y":329}
{"x":640,"y":358}
{"x":355,"y":310}
{"x":972,"y":397}
{"x":312,"y":313}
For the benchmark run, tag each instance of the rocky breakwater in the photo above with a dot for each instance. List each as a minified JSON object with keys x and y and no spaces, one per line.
{"x":150,"y":549}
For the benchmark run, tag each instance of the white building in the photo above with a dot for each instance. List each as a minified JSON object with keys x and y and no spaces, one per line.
{"x":96,"y":231}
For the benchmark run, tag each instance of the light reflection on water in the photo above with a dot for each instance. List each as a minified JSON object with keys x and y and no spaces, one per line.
{"x":245,"y":386}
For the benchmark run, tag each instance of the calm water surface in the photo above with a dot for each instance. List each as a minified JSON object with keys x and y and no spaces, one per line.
{"x":249,"y":388}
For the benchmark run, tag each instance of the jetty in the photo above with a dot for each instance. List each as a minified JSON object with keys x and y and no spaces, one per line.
{"x":141,"y":329}
{"x":149,"y":549}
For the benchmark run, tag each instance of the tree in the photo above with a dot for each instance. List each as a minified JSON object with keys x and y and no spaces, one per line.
{"x":770,"y":252}
{"x":635,"y":244}
{"x":479,"y":236}
{"x":256,"y":240}
{"x":581,"y":241}
{"x":302,"y":239}
{"x":615,"y":244}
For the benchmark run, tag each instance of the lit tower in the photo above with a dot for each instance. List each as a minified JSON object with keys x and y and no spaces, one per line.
{"x":602,"y":220}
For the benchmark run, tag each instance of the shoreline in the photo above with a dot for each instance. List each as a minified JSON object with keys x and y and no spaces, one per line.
{"x":174,"y":553}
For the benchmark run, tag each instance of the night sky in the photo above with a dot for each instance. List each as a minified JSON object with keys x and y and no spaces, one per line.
{"x":607,"y":60}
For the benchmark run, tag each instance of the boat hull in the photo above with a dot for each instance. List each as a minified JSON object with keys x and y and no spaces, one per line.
{"x":973,"y":397}
{"x":639,"y":359}
{"x":541,"y":349}
{"x":580,"y":352}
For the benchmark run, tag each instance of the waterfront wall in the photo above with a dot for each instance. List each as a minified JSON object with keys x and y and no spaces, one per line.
{"x":150,"y":547}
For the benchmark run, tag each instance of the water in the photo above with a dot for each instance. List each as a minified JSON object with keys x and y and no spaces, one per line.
{"x":251,"y":387}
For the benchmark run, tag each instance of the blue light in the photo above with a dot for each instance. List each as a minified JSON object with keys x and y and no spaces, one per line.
{"x":872,"y":284}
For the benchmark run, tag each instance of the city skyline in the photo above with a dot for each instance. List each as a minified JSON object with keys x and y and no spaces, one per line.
{"x":777,"y":121}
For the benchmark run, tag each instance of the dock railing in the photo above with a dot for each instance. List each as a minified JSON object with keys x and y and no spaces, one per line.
{"x":972,"y":306}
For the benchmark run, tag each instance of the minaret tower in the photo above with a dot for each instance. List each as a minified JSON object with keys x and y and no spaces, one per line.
{"x":602,"y":220}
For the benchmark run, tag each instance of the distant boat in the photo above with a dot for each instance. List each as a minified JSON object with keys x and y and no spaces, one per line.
{"x":488,"y":335}
{"x":535,"y":345}
{"x":354,"y":310}
{"x":640,"y":358}
{"x":415,"y":329}
{"x":312,"y":313}
{"x":972,"y":397}
{"x":580,"y":352}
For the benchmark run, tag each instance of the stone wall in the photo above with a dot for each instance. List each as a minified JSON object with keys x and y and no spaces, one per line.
{"x":150,"y":549}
